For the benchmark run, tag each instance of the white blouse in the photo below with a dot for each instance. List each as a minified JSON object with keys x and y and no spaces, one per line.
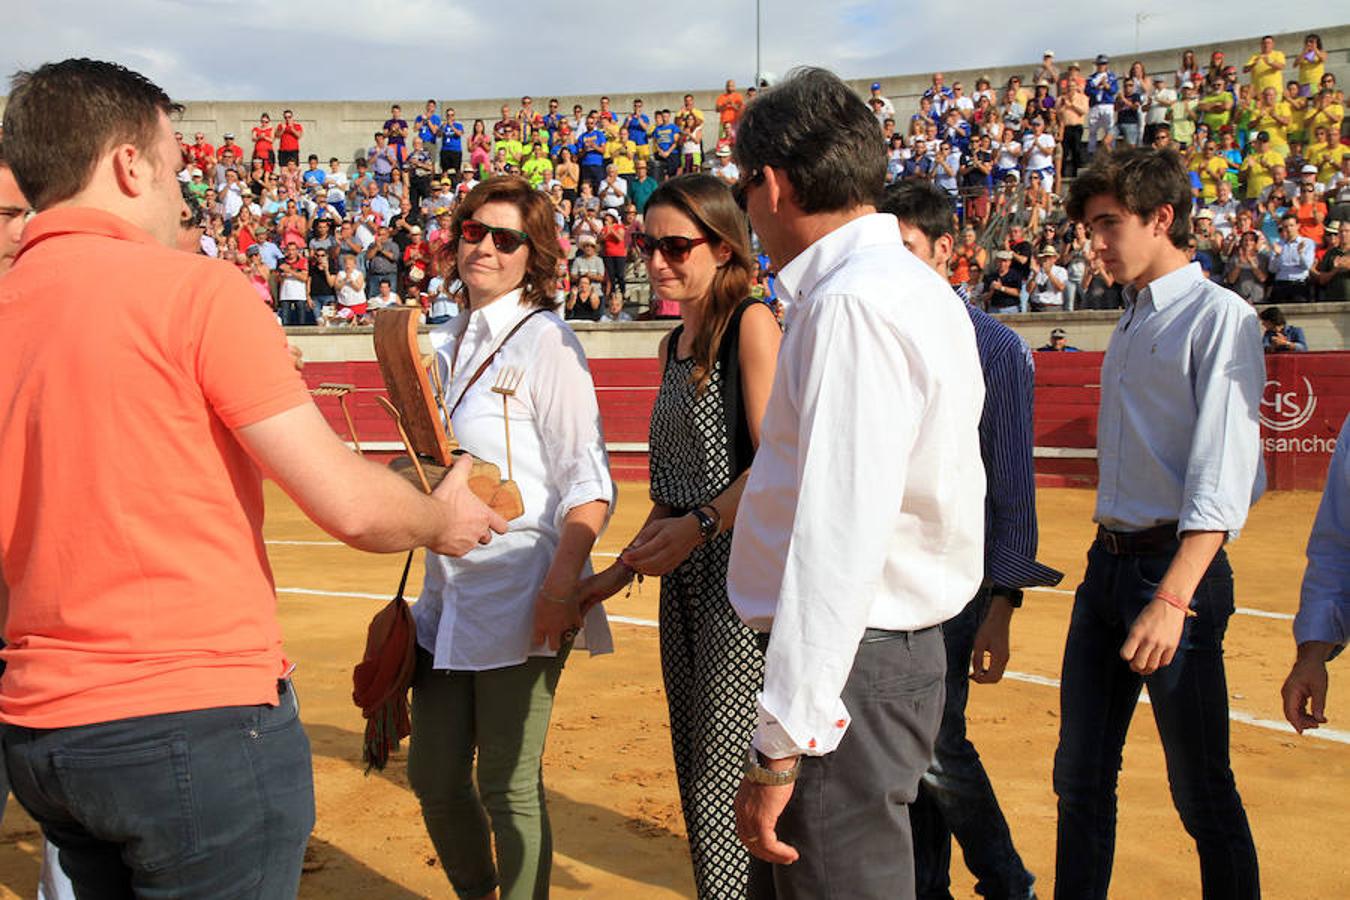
{"x":477,"y":612}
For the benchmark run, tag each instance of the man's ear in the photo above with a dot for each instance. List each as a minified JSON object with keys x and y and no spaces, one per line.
{"x":779,"y":188}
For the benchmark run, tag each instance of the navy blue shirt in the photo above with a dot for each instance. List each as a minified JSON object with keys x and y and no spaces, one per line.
{"x":1006,"y":437}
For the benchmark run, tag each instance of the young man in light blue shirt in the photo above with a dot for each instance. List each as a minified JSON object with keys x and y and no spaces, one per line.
{"x":1179,"y":463}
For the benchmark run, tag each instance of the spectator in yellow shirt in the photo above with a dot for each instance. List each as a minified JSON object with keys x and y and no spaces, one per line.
{"x":1258,"y":165}
{"x":1326,"y":154}
{"x":1327,"y":112}
{"x":624,"y":157}
{"x":1311,"y":64}
{"x":538,"y":167}
{"x":1265,"y":67}
{"x":1299,"y":108}
{"x":1216,"y":106}
{"x":1212,"y":169}
{"x":1274,"y":117}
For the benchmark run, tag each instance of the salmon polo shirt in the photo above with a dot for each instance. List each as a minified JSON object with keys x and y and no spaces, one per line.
{"x":130,"y":516}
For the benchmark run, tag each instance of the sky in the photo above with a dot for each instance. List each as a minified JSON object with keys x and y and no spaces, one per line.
{"x":376,"y":49}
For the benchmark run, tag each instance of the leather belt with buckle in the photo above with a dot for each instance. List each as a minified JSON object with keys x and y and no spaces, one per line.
{"x":1158,"y":539}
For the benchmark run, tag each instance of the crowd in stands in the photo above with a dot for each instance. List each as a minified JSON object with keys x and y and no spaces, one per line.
{"x":1265,"y":140}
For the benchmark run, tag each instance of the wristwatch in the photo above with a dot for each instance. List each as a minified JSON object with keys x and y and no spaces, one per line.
{"x":707,"y":525}
{"x":1012,"y":595}
{"x":757,"y":774}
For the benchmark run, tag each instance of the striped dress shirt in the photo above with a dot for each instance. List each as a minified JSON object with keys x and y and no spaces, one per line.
{"x":1006,"y":437}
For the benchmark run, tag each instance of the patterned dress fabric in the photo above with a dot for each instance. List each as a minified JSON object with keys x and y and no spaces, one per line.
{"x":712,"y":666}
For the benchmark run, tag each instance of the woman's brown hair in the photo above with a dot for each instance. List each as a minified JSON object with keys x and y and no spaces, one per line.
{"x":536,"y":216}
{"x":710,"y":206}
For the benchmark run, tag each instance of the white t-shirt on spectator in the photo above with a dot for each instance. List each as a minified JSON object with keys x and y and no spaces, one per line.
{"x":1040,"y":152}
{"x":351,"y":291}
{"x":1043,"y":292}
{"x":292,"y":288}
{"x":1008,"y":154}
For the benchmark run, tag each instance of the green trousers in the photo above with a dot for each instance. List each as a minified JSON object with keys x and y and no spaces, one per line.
{"x":502,"y":715}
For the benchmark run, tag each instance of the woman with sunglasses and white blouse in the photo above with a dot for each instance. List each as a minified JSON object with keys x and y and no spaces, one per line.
{"x":493,"y":631}
{"x":718,"y":368}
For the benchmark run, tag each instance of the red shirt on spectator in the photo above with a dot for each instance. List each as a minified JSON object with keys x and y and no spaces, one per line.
{"x":290,"y":135}
{"x":262,"y":142}
{"x":1309,"y":226}
{"x":203,"y":154}
{"x":614,"y":240}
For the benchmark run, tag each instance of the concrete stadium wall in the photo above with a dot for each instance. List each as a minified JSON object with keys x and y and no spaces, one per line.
{"x":343,"y":128}
{"x":1326,"y":325}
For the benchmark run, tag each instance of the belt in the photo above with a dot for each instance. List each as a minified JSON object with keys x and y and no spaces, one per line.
{"x":877,"y":635}
{"x":1150,"y":542}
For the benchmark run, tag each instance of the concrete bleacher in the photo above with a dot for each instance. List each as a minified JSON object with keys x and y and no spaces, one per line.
{"x":343,"y":128}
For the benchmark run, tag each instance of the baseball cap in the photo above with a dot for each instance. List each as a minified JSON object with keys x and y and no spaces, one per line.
{"x":1205,"y":214}
{"x":1102,"y":59}
{"x":229,"y":135}
{"x":1058,"y":333}
{"x":876,"y":85}
{"x":1308,"y":169}
{"x":1048,"y":53}
{"x":416,"y":229}
{"x":1333,"y":227}
{"x":1003,"y":254}
{"x":723,"y":151}
{"x":1013,"y":175}
{"x":1048,"y":251}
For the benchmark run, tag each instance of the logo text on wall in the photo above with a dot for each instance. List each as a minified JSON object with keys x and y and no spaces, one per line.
{"x":1289,"y":410}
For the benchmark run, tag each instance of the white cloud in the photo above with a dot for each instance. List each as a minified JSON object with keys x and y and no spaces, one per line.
{"x":378,"y":49}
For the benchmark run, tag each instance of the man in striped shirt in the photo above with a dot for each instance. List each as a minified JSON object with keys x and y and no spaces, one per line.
{"x":955,"y":796}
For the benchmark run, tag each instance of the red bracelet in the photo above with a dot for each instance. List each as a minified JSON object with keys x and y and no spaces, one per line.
{"x":1173,"y":601}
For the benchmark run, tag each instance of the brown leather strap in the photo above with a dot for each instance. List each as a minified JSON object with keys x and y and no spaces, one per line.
{"x":478,"y":373}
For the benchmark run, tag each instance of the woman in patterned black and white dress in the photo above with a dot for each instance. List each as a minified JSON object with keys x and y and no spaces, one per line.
{"x":718,"y":368}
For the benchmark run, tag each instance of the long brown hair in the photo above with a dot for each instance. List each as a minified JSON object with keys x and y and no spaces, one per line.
{"x":710,"y":206}
{"x":536,"y":216}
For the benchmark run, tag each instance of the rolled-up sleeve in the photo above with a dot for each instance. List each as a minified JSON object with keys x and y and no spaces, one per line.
{"x":568,"y":415}
{"x":1324,"y":606}
{"x":849,"y":495}
{"x":1224,"y":469}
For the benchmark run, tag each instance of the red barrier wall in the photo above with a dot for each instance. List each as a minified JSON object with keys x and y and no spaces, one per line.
{"x":1307,"y":397}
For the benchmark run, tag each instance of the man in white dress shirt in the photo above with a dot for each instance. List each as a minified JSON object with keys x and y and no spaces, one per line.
{"x":1179,"y":463}
{"x":862,"y":525}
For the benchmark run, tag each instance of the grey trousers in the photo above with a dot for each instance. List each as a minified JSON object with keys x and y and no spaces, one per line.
{"x":849,"y":812}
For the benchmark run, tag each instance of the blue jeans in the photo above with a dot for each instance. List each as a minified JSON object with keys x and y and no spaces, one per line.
{"x":1189,"y":698}
{"x":202,"y":804}
{"x":955,"y":796}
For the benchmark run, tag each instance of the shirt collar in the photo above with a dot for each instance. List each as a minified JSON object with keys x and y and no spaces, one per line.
{"x":80,"y":220}
{"x":500,"y":314}
{"x":1163,"y":291}
{"x":800,"y":276}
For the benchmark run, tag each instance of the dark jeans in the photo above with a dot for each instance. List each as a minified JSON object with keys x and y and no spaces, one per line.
{"x":614,"y":274}
{"x":849,"y":812}
{"x":955,"y":796}
{"x":1189,"y":699}
{"x":593,"y":174}
{"x":1290,"y":292}
{"x":292,"y":312}
{"x":203,"y":804}
{"x":373,"y":280}
{"x":1073,"y":151}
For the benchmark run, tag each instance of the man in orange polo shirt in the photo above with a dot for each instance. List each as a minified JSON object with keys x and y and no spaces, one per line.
{"x":150,"y":727}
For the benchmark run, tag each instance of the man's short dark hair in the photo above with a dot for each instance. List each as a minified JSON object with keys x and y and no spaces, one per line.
{"x":821,"y":135}
{"x":111,"y":103}
{"x":1143,"y":180}
{"x":921,"y":205}
{"x":1274,"y":315}
{"x":196,"y":213}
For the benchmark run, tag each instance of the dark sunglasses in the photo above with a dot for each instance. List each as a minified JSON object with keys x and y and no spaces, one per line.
{"x":674,"y":248}
{"x":741,"y":186}
{"x":506,"y":240}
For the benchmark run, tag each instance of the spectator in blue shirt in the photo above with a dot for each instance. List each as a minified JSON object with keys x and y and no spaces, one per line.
{"x":452,"y":144}
{"x":1280,"y":336}
{"x":638,"y":127}
{"x":1102,"y":88}
{"x":591,"y":145}
{"x":428,"y":127}
{"x":1324,"y":607}
{"x":666,"y":136}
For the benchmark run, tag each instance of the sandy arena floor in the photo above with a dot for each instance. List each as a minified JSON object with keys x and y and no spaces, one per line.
{"x":612,"y":794}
